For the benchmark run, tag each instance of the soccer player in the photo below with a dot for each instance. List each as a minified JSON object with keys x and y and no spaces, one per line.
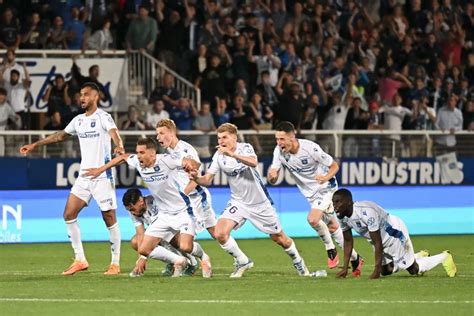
{"x":143,"y":212}
{"x":249,"y":200}
{"x":159,"y":172}
{"x":388,"y":235}
{"x":94,"y":128}
{"x":314,"y":172}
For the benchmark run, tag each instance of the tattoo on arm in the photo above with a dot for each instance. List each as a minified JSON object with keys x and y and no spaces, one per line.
{"x":57,"y":137}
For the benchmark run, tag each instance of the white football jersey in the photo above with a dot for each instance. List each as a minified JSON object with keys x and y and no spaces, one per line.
{"x":369,"y":217}
{"x":162,"y":180}
{"x":184,"y":149}
{"x":94,"y":139}
{"x":150,"y":214}
{"x":305,"y":165}
{"x":245,"y":182}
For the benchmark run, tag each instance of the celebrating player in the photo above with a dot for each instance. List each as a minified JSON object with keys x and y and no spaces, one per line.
{"x":388,"y":235}
{"x":314,"y":172}
{"x":159,"y":172}
{"x":94,"y":128}
{"x":249,"y":200}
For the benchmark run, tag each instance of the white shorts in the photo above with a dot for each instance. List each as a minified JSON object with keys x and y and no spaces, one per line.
{"x":322,"y":199}
{"x":399,"y":248}
{"x":166,"y":226}
{"x":263,"y":216}
{"x":102,"y":190}
{"x":202,"y":207}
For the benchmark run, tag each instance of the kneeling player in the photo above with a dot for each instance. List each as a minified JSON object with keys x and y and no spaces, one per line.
{"x":388,"y":235}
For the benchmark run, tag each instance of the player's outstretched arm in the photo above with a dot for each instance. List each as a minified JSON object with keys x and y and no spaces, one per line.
{"x":188,"y":165}
{"x":205,"y":180}
{"x":250,"y":161}
{"x":57,"y":137}
{"x":95,"y":172}
{"x":272,"y":176}
{"x":378,"y":250}
{"x":333,"y":169}
{"x":119,"y":149}
{"x":348,"y":245}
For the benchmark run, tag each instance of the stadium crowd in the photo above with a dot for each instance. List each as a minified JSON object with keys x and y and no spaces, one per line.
{"x":329,"y":64}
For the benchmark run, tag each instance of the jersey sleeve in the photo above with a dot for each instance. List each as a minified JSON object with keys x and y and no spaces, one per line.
{"x":319,"y":155}
{"x":174,"y":160}
{"x":137,"y":221}
{"x":247,"y":150}
{"x":71,"y":127}
{"x":373,"y":220}
{"x":108,"y":121}
{"x":344,"y":225}
{"x":133,"y":162}
{"x":214,"y":166}
{"x":276,"y":163}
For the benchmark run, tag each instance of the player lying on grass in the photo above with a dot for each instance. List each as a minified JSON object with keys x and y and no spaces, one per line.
{"x":143,"y":212}
{"x":176,"y":214}
{"x":249,"y":200}
{"x":389,"y":237}
{"x":314,"y":172}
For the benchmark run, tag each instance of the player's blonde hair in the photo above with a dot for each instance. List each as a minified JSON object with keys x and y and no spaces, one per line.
{"x":169,"y":124}
{"x":227,"y":127}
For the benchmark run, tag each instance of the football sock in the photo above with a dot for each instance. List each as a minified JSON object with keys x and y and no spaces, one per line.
{"x":339,"y":238}
{"x":170,"y":247}
{"x":115,"y":242}
{"x":293,"y":253}
{"x":163,"y":254}
{"x":323,"y":232}
{"x":74,"y":234}
{"x":197,"y":250}
{"x":233,"y":249}
{"x":428,"y":263}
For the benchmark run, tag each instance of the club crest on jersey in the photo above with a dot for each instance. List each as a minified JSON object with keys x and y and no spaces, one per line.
{"x":304,"y":161}
{"x":93,"y":124}
{"x":359,"y":224}
{"x":287,"y":157}
{"x":157,"y":168}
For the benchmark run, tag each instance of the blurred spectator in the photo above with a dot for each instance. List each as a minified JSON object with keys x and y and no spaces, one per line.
{"x":17,"y":94}
{"x":389,"y":85}
{"x":262,"y":112}
{"x":172,"y":36}
{"x":212,"y":81}
{"x":266,"y":62}
{"x":167,"y":92}
{"x":142,"y":32}
{"x":356,"y":119}
{"x":375,"y":123}
{"x":133,"y":121}
{"x":222,"y":113}
{"x":312,"y":113}
{"x":156,"y":114}
{"x":56,"y":96}
{"x":198,"y":63}
{"x":9,"y":30}
{"x":423,"y":118}
{"x":183,"y":114}
{"x":75,"y":31}
{"x":57,"y":35}
{"x":77,"y":80}
{"x":449,"y":119}
{"x":204,"y":122}
{"x":96,"y":12}
{"x":33,"y":33}
{"x":72,"y":109}
{"x":468,"y":116}
{"x":292,"y":106}
{"x":101,"y":39}
{"x":6,"y":114}
{"x":9,"y":63}
{"x":267,"y":91}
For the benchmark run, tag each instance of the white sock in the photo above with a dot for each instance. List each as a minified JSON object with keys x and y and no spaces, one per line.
{"x":197,"y":250}
{"x":323,"y":232}
{"x":115,"y":242}
{"x":293,"y":253}
{"x":233,"y":249}
{"x":74,"y":234}
{"x":339,"y":238}
{"x":170,"y":247}
{"x":428,"y":263}
{"x":163,"y":254}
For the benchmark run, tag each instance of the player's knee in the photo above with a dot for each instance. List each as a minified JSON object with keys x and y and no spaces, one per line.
{"x":186,"y":247}
{"x":134,"y":243}
{"x":314,"y":222}
{"x":221,"y":236}
{"x":332,"y":227}
{"x":281,"y":239}
{"x":68,"y":215}
{"x":143,"y":250}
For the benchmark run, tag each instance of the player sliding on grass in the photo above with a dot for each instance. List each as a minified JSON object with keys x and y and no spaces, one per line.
{"x":249,"y":200}
{"x":143,"y":212}
{"x":94,"y":129}
{"x":159,"y":172}
{"x":314,"y":172}
{"x":389,"y":237}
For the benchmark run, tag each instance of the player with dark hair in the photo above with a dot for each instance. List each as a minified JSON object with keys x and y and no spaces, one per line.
{"x":94,"y":129}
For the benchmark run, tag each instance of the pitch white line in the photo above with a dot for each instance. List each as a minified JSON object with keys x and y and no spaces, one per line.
{"x":86,"y":300}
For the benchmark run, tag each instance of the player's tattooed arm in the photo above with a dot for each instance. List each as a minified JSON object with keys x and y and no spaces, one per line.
{"x":119,"y":149}
{"x":57,"y":137}
{"x":95,"y":172}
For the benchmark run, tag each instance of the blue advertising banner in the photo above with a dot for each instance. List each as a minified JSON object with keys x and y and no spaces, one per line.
{"x":36,"y":215}
{"x":35,"y":173}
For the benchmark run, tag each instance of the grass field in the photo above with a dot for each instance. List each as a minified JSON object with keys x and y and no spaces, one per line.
{"x":30,"y":283}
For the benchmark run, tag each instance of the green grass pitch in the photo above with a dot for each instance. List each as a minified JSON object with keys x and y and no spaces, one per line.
{"x":31,"y":284}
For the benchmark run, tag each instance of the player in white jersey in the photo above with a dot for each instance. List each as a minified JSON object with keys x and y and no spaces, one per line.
{"x":199,"y":196}
{"x":249,"y":200}
{"x":389,"y":237}
{"x":143,"y":212}
{"x":314,"y":172}
{"x":94,"y":129}
{"x":160,"y":173}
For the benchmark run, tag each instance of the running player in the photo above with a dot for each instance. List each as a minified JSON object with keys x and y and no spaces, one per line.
{"x":159,"y":172}
{"x":389,"y":237}
{"x":94,"y":128}
{"x":249,"y":200}
{"x":314,"y":172}
{"x":144,"y":211}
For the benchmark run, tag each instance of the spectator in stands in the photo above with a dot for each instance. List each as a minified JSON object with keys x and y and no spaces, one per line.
{"x":77,"y":80}
{"x":72,"y":109}
{"x":356,"y":119}
{"x":6,"y":114}
{"x":468,"y":115}
{"x":265,"y":62}
{"x":142,"y":32}
{"x":172,"y":36}
{"x":419,"y":91}
{"x":9,"y":31}
{"x":33,"y":33}
{"x":449,"y":119}
{"x":101,"y":39}
{"x":222,"y":114}
{"x":167,"y":92}
{"x":156,"y":114}
{"x":57,"y":35}
{"x":9,"y":63}
{"x":133,"y":121}
{"x":57,"y":96}
{"x":423,"y":118}
{"x":262,"y":112}
{"x":75,"y":31}
{"x":312,"y":113}
{"x":17,"y":94}
{"x":212,"y":82}
{"x":204,"y":122}
{"x":183,"y":114}
{"x":198,"y":62}
{"x":390,"y":83}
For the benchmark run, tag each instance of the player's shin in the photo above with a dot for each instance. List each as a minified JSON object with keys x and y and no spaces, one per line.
{"x":233,"y":249}
{"x":115,"y":242}
{"x":74,"y":234}
{"x":163,"y":254}
{"x":323,"y":232}
{"x":428,"y":263}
